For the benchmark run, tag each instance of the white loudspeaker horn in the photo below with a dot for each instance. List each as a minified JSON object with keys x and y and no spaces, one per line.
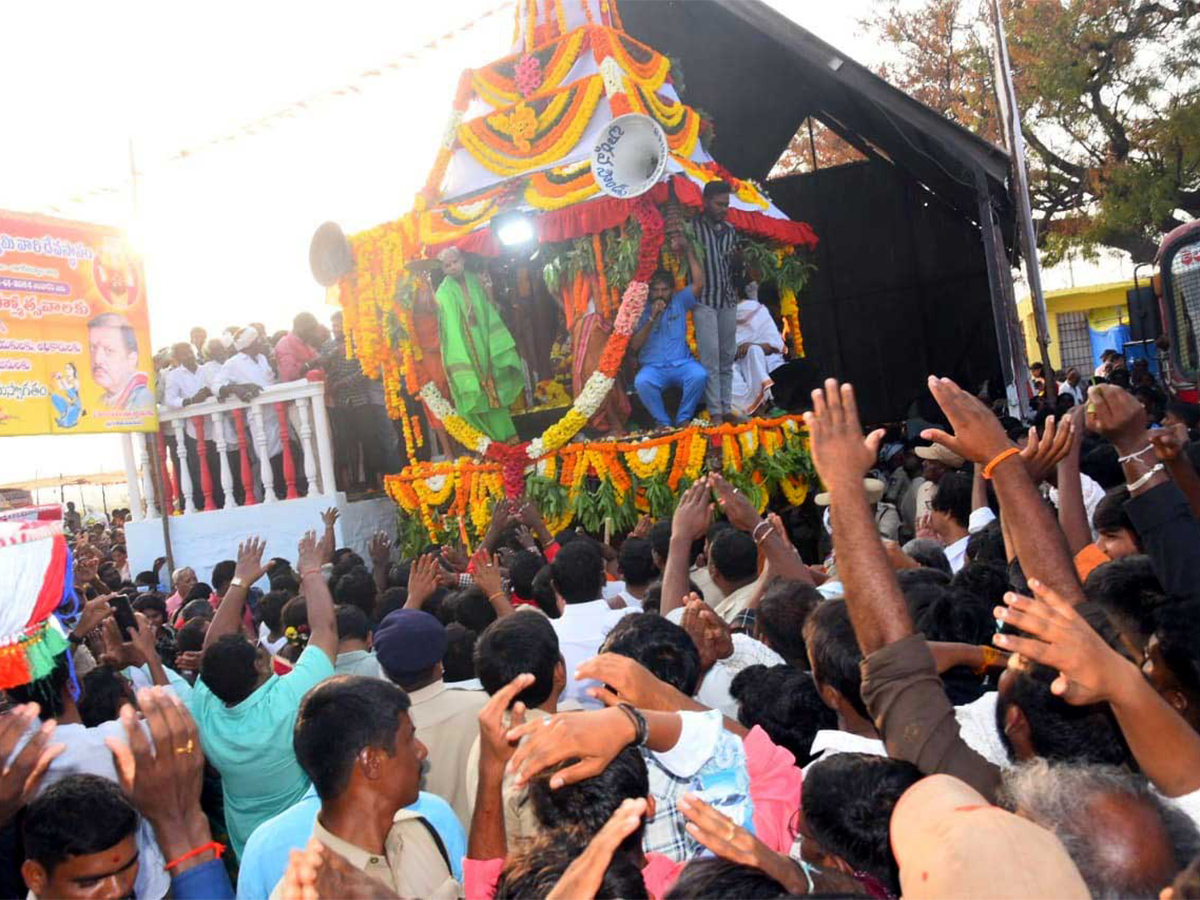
{"x":630,"y":156}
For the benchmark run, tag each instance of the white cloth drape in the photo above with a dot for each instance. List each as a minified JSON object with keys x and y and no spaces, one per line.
{"x":752,"y":372}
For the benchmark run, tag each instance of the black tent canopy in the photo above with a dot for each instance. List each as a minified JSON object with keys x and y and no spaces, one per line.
{"x":902,"y":245}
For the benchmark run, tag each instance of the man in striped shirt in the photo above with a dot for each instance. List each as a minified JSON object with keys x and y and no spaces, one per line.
{"x":715,"y":314}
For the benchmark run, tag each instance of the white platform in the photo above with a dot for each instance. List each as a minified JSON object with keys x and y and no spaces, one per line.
{"x":203,"y":539}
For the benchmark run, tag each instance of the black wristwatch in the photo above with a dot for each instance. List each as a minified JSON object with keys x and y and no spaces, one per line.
{"x":639,"y":724}
{"x":75,"y":639}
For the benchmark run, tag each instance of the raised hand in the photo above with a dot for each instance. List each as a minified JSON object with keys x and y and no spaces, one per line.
{"x":693,"y":515}
{"x":978,"y":435}
{"x":422,"y":580}
{"x":1043,"y":454}
{"x":330,"y":516}
{"x":1117,"y":415}
{"x":379,"y":548}
{"x":628,"y":681}
{"x":708,"y":631}
{"x":737,"y":506}
{"x":94,"y":612}
{"x":642,"y":529}
{"x":840,"y":453}
{"x":1062,"y":639}
{"x":310,"y":554}
{"x":316,"y":872}
{"x":583,"y":877}
{"x":1169,"y":442}
{"x":143,"y":639}
{"x":250,"y":566}
{"x":730,"y":841}
{"x":20,"y":777}
{"x":494,"y":743}
{"x":487,"y":572}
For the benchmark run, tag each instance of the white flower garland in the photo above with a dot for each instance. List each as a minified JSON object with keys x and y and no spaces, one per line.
{"x":610,"y":71}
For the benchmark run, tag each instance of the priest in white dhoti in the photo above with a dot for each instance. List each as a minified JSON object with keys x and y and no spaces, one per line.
{"x":759,"y":352}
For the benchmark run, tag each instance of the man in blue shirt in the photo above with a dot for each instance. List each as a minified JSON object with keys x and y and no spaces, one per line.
{"x":661,"y":344}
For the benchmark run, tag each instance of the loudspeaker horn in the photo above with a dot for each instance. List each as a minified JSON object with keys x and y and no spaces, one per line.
{"x":630,"y":156}
{"x":329,"y":255}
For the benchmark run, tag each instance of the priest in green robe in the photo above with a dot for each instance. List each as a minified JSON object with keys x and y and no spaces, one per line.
{"x":478,"y":352}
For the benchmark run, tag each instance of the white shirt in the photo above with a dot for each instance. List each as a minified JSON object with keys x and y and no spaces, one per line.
{"x":1079,"y":392}
{"x":956,"y":553}
{"x":1092,"y":495}
{"x":714,"y":689}
{"x":581,"y":630}
{"x":977,"y":726}
{"x":830,"y":742}
{"x":243,"y":369}
{"x":184,"y":385}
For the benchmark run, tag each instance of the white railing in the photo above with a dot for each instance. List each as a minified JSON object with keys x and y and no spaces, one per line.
{"x":246,"y":436}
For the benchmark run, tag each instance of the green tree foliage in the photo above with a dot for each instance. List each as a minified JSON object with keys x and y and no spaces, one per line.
{"x":1110,"y":99}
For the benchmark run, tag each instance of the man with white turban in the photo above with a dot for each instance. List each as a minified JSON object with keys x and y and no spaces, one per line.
{"x":759,"y":352}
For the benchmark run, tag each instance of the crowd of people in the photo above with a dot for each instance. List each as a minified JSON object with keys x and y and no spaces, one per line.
{"x":245,"y":360}
{"x":718,"y":704}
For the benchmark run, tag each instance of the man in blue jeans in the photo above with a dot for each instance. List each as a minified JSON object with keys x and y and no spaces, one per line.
{"x":661,"y":344}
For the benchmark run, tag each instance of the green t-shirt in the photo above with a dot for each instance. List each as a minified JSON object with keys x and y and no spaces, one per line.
{"x":251,"y":744}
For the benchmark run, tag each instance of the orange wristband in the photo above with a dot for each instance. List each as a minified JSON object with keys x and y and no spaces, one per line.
{"x":216,"y":848}
{"x":999,"y":458}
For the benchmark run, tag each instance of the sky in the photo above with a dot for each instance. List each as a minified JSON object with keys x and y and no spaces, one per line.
{"x":99,"y":89}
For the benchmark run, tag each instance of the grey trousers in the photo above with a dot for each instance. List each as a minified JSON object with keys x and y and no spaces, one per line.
{"x":716,"y":339}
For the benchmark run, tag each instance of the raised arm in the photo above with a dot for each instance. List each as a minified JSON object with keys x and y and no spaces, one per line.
{"x":695,"y":267}
{"x":772,"y":542}
{"x":842,"y":457}
{"x":1169,"y":444}
{"x":639,"y":337}
{"x":979,"y":437}
{"x":322,"y":623}
{"x":487,"y":839}
{"x":691,"y":519}
{"x":249,"y":569}
{"x":1165,"y":746}
{"x":1072,"y":514}
{"x":380,"y":551}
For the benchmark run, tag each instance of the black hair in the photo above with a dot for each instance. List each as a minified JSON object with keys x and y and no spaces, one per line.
{"x":662,"y":276}
{"x":987,"y":545}
{"x":716,"y":877}
{"x":357,"y":588}
{"x":190,"y":638}
{"x":658,"y":644}
{"x":295,"y":615}
{"x":524,"y":642}
{"x":200,"y":591}
{"x":909,"y":579}
{"x":953,"y":497}
{"x":197,"y":609}
{"x":1177,"y":627}
{"x":109,"y":574}
{"x":103,"y":691}
{"x":458,"y":662}
{"x":834,"y":651}
{"x":146,"y":577}
{"x":152,"y":601}
{"x":949,"y":615}
{"x":578,"y":572}
{"x":270,"y":608}
{"x":1110,"y":514}
{"x":352,"y":623}
{"x":715,"y":528}
{"x":781,"y":615}
{"x":1059,"y":730}
{"x":987,"y":581}
{"x":717,"y":188}
{"x":1100,"y":462}
{"x":227,"y":668}
{"x":337,"y":720}
{"x":1129,"y":592}
{"x":76,"y":816}
{"x":734,"y":555}
{"x":543,"y":592}
{"x":522,"y":569}
{"x":532,"y":873}
{"x":636,"y":560}
{"x":652,"y":601}
{"x":390,"y":600}
{"x":222,"y":575}
{"x":848,"y":803}
{"x":471,"y":608}
{"x":660,"y":538}
{"x":285,"y":582}
{"x":784,"y":702}
{"x":929,"y":555}
{"x":586,"y":805}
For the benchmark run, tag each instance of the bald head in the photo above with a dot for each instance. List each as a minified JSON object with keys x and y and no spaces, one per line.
{"x":1124,"y":838}
{"x":452,"y":262}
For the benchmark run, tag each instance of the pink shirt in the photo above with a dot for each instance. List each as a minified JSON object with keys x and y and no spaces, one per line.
{"x":480,"y":876}
{"x":291,"y":353}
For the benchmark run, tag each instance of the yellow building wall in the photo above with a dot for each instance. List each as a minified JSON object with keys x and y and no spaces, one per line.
{"x":1080,"y":299}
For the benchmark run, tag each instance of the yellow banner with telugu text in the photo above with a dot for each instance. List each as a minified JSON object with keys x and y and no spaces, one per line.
{"x":75,"y":352}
